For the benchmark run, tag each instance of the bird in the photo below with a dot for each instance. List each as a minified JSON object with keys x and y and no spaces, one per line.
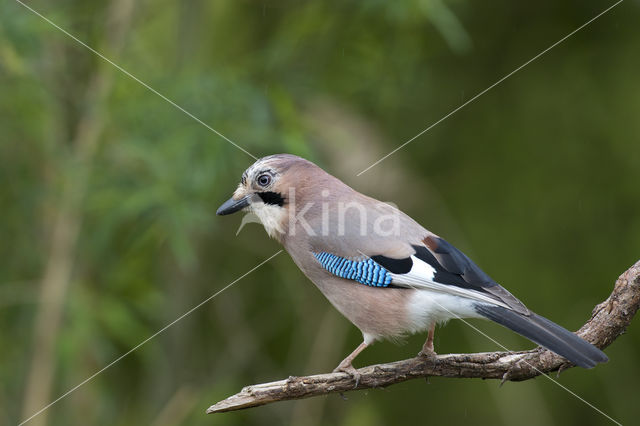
{"x":378,"y":267}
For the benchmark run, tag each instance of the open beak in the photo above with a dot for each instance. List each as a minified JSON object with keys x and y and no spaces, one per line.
{"x":232,"y":205}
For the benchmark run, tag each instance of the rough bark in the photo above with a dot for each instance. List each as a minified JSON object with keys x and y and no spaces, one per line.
{"x":608,"y":320}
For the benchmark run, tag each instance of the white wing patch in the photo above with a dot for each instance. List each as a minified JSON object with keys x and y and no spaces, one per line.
{"x":421,"y":277}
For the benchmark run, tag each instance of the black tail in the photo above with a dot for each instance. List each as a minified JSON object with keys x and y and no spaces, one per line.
{"x":547,"y":334}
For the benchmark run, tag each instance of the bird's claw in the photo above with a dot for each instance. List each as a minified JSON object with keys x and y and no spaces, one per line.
{"x":427,"y":353}
{"x":350,"y":370}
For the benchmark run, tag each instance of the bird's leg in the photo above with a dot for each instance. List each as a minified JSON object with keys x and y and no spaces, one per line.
{"x":346,"y":367}
{"x":427,"y":348}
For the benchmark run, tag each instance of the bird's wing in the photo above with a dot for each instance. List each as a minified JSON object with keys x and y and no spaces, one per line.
{"x":438,"y":265}
{"x":435,"y":265}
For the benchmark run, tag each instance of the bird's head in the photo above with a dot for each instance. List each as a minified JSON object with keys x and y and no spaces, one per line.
{"x":269,"y":187}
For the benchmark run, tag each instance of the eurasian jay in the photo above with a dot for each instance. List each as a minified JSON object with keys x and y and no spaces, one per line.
{"x":383,"y":271}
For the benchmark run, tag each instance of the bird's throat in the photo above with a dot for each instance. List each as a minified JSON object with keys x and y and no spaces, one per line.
{"x":273,"y":217}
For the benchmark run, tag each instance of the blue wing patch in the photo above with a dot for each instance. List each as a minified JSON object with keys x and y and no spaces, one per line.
{"x":363,"y":271}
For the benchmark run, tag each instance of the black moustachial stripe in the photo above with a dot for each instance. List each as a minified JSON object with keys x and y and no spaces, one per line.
{"x":274,"y":198}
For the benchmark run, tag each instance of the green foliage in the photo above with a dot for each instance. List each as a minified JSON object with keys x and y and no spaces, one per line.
{"x":537,"y":180}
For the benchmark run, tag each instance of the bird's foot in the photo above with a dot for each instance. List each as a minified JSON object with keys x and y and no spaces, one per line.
{"x":427,"y":353}
{"x":428,"y":350}
{"x":350,"y":370}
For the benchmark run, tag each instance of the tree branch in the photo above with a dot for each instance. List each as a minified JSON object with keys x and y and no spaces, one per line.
{"x":608,"y":320}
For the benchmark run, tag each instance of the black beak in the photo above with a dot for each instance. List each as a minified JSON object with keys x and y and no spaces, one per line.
{"x":232,"y":206}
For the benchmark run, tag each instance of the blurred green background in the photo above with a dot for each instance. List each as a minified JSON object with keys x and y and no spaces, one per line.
{"x":108,"y":197}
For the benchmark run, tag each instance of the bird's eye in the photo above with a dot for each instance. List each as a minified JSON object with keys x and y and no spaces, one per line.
{"x":264,"y":180}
